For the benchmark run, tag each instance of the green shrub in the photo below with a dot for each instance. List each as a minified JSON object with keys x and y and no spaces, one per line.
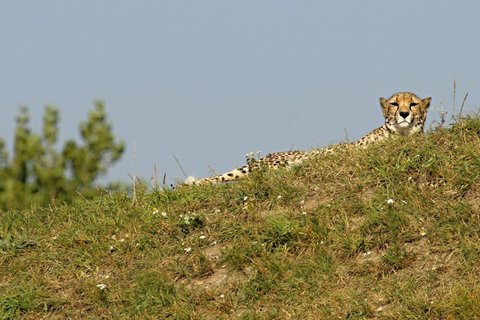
{"x":37,"y":174}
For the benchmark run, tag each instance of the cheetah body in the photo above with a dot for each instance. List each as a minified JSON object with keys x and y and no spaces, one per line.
{"x":404,"y":114}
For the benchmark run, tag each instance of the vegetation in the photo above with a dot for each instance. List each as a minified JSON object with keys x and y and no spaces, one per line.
{"x":387,"y":232}
{"x":37,"y":174}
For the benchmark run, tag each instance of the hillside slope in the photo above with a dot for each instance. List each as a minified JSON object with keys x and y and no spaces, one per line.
{"x":388,"y":232}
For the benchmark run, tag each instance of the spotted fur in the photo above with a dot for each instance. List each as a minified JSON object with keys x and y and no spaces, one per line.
{"x":404,"y":114}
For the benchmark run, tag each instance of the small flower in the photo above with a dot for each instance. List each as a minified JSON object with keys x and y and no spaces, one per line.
{"x":155,"y":211}
{"x":188,"y":249}
{"x":202,"y":237}
{"x":390,"y":201}
{"x":251,"y":157}
{"x":279,"y":197}
{"x":101,"y":286}
{"x":245,"y":198}
{"x":163,"y":214}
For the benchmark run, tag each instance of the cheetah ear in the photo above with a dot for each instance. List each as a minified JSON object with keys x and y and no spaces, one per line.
{"x":426,"y":102}
{"x":384,"y":105}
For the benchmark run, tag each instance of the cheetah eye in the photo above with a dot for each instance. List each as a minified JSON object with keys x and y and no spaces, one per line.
{"x":413,"y":104}
{"x":394,"y":104}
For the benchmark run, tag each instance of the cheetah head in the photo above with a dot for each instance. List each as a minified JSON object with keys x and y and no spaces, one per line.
{"x":405,"y":113}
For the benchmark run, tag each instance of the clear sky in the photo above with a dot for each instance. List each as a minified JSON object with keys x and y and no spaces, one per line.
{"x":210,"y":81}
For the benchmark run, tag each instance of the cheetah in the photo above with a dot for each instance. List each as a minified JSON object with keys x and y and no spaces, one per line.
{"x":404,"y":113}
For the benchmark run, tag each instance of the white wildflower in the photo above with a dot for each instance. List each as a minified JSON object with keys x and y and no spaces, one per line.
{"x":163,"y":214}
{"x":390,"y":201}
{"x":155,"y":211}
{"x":102,"y":286}
{"x":251,"y":157}
{"x":188,"y":249}
{"x":202,"y":237}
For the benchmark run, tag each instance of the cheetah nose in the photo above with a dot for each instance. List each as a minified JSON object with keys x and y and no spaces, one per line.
{"x":404,"y":114}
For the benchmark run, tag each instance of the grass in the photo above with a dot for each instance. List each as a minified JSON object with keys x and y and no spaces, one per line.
{"x":387,"y":232}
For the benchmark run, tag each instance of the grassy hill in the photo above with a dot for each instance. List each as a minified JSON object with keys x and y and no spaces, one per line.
{"x":387,"y":232}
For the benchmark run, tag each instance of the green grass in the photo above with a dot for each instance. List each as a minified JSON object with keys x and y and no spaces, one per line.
{"x":387,"y":232}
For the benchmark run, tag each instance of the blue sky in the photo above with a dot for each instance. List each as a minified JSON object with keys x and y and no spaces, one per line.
{"x":210,"y":80}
